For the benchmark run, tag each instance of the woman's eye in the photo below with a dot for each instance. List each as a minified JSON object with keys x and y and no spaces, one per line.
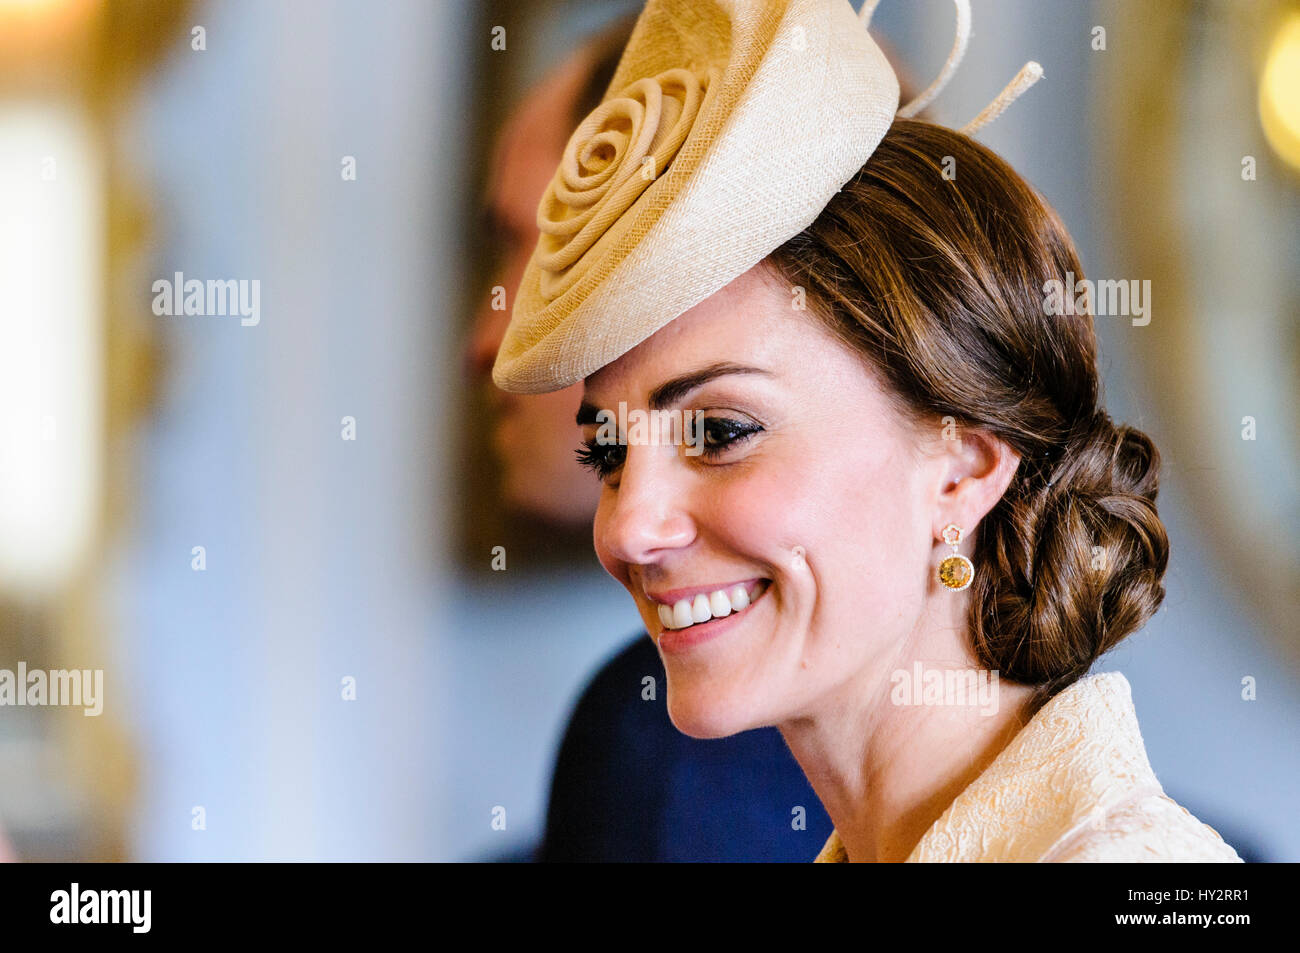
{"x":721,"y":433}
{"x":601,"y":459}
{"x":710,"y":437}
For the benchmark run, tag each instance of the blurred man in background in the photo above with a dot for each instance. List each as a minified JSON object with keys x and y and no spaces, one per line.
{"x":628,"y":786}
{"x":534,"y":435}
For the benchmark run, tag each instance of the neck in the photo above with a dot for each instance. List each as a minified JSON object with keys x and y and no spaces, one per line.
{"x":887,"y":756}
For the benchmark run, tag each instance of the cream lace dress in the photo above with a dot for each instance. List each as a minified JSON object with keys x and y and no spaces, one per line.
{"x":1073,"y":785}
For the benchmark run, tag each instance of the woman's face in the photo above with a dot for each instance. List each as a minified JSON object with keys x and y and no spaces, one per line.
{"x":813,"y":494}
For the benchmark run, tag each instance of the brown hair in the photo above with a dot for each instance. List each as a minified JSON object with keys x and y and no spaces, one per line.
{"x":938,"y":282}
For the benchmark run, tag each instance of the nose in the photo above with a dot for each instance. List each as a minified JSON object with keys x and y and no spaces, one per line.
{"x":648,"y":514}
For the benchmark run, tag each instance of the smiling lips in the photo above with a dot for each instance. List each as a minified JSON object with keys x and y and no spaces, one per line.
{"x":706,"y":605}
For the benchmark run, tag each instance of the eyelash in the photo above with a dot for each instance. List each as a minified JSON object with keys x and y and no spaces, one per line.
{"x":599,"y":458}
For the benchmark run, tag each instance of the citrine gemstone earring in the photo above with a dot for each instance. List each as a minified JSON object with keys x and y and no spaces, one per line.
{"x":956,"y":571}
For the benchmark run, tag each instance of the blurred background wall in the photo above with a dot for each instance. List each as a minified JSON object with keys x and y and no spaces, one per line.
{"x":214,"y":139}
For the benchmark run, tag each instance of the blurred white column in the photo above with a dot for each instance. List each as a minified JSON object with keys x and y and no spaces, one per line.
{"x":51,"y":332}
{"x":323,"y":555}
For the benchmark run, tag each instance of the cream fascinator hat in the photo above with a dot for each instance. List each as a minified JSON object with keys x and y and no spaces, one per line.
{"x":727,"y":128}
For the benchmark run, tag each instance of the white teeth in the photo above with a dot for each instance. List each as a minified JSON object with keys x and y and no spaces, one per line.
{"x":682,"y":614}
{"x":714,"y":605}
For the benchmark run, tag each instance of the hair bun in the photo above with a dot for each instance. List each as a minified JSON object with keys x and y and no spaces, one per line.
{"x":1077,"y":562}
{"x":1107,"y":460}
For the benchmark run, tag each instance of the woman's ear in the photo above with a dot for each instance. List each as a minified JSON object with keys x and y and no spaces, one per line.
{"x":978,"y":468}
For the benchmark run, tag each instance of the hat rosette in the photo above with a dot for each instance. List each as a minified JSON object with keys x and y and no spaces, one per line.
{"x":727,"y":128}
{"x":611,"y":159}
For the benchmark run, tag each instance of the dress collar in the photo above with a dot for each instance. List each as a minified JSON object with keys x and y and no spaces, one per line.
{"x":1078,"y":757}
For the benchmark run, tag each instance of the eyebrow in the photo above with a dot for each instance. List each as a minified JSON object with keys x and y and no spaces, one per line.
{"x":673,"y":390}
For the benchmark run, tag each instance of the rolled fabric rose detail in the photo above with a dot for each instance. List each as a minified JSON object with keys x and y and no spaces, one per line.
{"x":604,"y":168}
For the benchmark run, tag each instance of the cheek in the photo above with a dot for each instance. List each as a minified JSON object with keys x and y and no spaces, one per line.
{"x":859,"y":516}
{"x":837,"y":499}
{"x":890,"y":527}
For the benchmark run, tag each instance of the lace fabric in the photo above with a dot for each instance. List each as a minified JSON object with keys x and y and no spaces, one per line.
{"x":1073,"y":785}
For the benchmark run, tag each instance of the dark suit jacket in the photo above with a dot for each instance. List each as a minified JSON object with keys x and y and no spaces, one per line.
{"x":629,"y":786}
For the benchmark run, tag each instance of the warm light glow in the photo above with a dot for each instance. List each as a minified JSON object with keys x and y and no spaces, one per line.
{"x":1279,"y":92}
{"x":53,"y":12}
{"x":44,"y":32}
{"x":51,"y":413}
{"x":29,"y":6}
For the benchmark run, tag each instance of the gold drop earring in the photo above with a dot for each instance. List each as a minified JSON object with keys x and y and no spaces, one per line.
{"x":956,"y":571}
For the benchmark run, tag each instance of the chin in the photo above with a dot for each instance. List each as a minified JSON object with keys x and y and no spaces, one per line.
{"x":699,"y":713}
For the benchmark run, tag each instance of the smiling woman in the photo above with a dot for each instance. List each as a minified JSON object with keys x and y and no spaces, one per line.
{"x":878,"y":388}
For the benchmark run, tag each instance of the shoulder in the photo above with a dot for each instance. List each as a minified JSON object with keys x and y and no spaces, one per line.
{"x":604,"y":792}
{"x":635,"y":660}
{"x":1151,"y":829}
{"x":622,"y":677}
{"x":604,"y":710}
